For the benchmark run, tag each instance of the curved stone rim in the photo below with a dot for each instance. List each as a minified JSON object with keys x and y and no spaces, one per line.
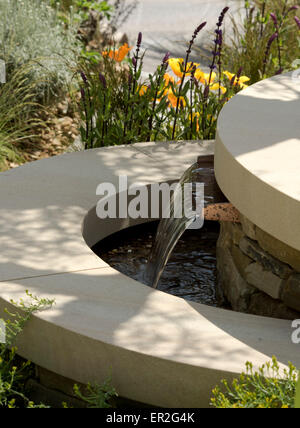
{"x":257,"y":156}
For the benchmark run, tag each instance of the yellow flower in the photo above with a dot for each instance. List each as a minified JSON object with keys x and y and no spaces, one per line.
{"x":217,"y":86}
{"x":168,"y":79}
{"x":195,"y":117}
{"x":241,"y":81}
{"x":177,"y":66}
{"x":204,"y":77}
{"x":143,"y":89}
{"x":173,"y":99}
{"x":119,"y":54}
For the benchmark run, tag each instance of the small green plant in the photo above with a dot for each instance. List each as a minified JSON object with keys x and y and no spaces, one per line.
{"x":297,"y":398}
{"x":265,"y":388}
{"x":97,"y":396}
{"x":80,"y":9}
{"x":13,"y":371}
{"x":18,"y":119}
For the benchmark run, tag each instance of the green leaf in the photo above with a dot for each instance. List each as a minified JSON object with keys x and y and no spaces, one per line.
{"x":297,"y":399}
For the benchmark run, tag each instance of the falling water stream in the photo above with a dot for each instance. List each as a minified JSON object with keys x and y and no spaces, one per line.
{"x":171,"y":229}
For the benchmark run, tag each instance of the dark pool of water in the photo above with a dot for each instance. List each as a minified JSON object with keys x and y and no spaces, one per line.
{"x":191,"y":270}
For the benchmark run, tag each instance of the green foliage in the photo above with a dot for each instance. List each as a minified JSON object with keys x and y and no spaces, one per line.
{"x":297,"y":399}
{"x":80,"y":9}
{"x":266,"y":388}
{"x":97,"y":396}
{"x":17,"y":114}
{"x":13,"y":371}
{"x":30,"y":31}
{"x":248,"y":45}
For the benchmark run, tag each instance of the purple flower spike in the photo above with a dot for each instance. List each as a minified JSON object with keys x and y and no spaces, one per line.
{"x":134,"y":62}
{"x":272,"y":38}
{"x":102,"y":80}
{"x":140,"y":38}
{"x":206,"y":92}
{"x":166,"y":57}
{"x":297,"y":20}
{"x":274,"y":19}
{"x":82,"y":91}
{"x":295,"y":7}
{"x":83,"y":76}
{"x":201,"y":26}
{"x":239,"y":73}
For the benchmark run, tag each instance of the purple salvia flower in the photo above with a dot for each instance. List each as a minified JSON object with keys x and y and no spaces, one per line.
{"x":272,"y":38}
{"x":139,"y":40}
{"x":206,"y":92}
{"x":232,"y":81}
{"x":201,"y":26}
{"x":166,"y":58}
{"x":102,"y":80}
{"x":196,"y":32}
{"x":239,"y":73}
{"x":295,"y":7}
{"x":222,"y":16}
{"x":268,"y":48}
{"x":134,"y":62}
{"x":297,"y":20}
{"x":274,"y":19}
{"x":84,"y":78}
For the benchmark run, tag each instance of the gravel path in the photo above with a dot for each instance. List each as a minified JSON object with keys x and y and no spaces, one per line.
{"x":168,"y":25}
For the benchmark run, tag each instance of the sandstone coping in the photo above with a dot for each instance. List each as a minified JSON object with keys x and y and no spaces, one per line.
{"x":160,"y":349}
{"x":257,"y":156}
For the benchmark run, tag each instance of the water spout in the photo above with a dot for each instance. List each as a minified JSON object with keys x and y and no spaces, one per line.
{"x":216,"y":208}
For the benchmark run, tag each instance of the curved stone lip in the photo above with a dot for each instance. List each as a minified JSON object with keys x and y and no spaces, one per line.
{"x":102,"y":318}
{"x":257,"y":156}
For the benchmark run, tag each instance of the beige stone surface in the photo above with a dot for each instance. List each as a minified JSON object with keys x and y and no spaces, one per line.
{"x":248,"y":227}
{"x":43,"y":203}
{"x":257,"y":156}
{"x":160,"y":349}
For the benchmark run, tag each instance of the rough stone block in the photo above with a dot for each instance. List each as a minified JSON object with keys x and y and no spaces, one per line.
{"x":291,"y":292}
{"x":264,"y":280}
{"x":278,"y":249}
{"x":237,"y":233}
{"x":269,"y":263}
{"x":248,"y":227}
{"x":234,"y":287}
{"x":241,"y":261}
{"x":264,"y":305}
{"x":230,"y":233}
{"x":225,"y":237}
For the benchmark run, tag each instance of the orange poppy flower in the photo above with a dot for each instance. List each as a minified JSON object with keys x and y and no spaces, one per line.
{"x":119,"y":54}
